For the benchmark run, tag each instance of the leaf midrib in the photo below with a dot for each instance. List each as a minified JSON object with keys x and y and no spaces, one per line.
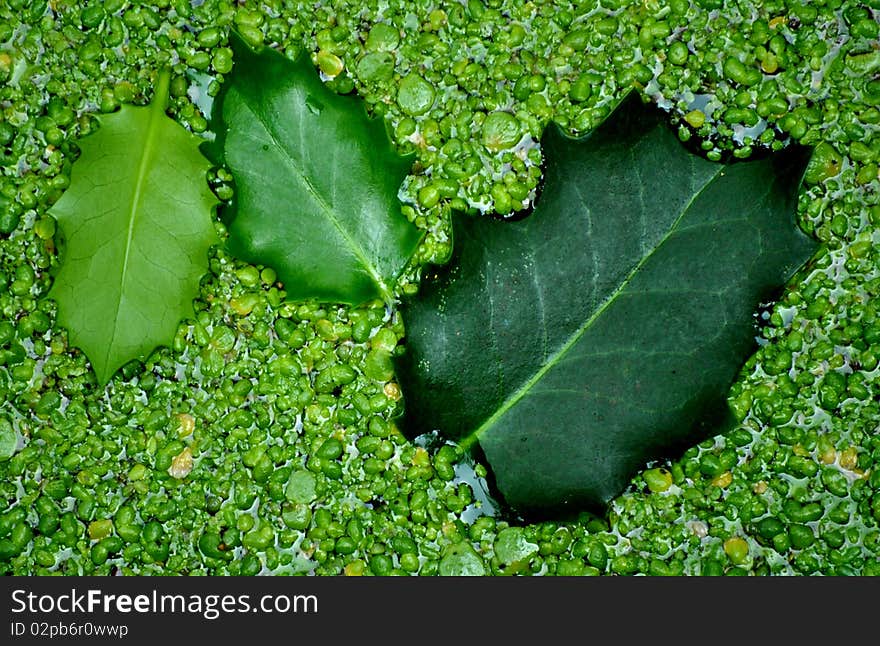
{"x":156,"y":112}
{"x":511,"y":401}
{"x":300,"y":174}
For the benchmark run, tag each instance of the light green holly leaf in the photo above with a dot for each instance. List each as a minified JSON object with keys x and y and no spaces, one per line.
{"x":137,"y":220}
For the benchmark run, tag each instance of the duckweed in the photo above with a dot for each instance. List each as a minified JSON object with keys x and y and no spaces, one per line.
{"x":286,"y":412}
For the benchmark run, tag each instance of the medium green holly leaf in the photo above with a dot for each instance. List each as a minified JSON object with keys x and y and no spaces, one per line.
{"x":316,"y":181}
{"x":605,"y":329}
{"x":137,"y":219}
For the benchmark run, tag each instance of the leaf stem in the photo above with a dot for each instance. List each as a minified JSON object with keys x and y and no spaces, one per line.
{"x":163,"y":83}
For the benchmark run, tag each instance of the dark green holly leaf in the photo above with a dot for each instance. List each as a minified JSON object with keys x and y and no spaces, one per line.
{"x":604,"y":330}
{"x":316,"y":181}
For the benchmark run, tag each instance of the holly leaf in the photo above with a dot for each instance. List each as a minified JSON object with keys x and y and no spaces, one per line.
{"x":137,"y":219}
{"x":604,"y":330}
{"x":316,"y":181}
